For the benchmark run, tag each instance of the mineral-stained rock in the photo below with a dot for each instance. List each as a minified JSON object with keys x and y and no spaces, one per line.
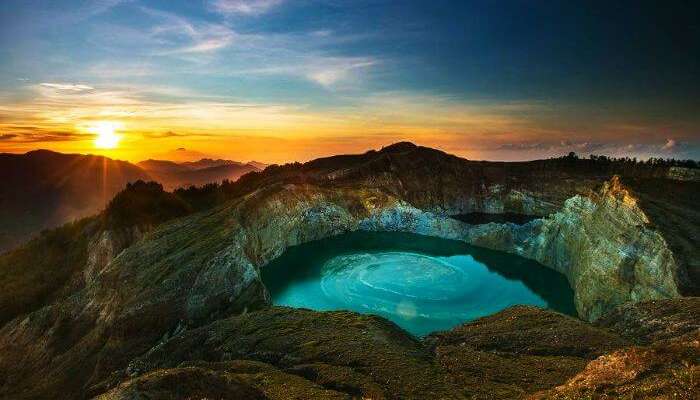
{"x":601,"y":242}
{"x":604,"y":246}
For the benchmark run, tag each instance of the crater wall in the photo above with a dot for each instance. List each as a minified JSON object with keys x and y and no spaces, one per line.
{"x":601,"y":242}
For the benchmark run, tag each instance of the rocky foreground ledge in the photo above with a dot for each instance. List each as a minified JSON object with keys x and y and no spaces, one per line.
{"x":171,"y":304}
{"x":649,"y":350}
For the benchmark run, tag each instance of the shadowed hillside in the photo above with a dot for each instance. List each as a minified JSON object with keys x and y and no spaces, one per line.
{"x":43,"y":189}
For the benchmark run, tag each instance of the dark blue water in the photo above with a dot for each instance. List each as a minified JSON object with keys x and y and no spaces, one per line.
{"x":423,"y":284}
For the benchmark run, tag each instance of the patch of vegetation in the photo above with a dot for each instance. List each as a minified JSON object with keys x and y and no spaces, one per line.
{"x":202,"y":197}
{"x":38,"y":272}
{"x":144,"y":204}
{"x":212,"y":194}
{"x":626,"y":164}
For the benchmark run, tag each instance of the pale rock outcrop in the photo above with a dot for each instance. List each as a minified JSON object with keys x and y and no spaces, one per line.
{"x":601,"y":242}
{"x":604,"y":246}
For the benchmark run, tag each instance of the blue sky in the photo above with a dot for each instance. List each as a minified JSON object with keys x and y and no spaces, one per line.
{"x":287,"y":79}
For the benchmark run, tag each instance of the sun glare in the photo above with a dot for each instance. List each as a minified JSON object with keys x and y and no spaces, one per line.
{"x":106,"y":138}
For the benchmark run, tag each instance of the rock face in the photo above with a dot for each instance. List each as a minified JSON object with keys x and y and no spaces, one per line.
{"x":601,"y":242}
{"x":105,"y":247}
{"x":179,"y":309}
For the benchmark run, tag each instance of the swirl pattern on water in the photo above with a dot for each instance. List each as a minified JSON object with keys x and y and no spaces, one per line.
{"x":391,"y":274}
{"x":403,"y":285}
{"x":422,"y":284}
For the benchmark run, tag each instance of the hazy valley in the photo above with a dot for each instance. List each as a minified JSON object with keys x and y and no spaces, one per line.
{"x":43,"y":189}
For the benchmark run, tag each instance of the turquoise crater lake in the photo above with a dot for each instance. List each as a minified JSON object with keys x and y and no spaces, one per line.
{"x":423,"y":284}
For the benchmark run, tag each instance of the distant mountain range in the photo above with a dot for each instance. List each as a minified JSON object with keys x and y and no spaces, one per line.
{"x":174,"y":175}
{"x":42,"y":189}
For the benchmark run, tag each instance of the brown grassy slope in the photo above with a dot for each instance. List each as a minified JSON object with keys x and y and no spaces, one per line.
{"x":673,"y":207}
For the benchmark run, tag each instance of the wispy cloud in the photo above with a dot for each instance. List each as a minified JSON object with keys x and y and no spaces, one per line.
{"x":188,"y":36}
{"x":96,"y":7}
{"x":203,"y":45}
{"x":71,"y":87}
{"x":161,"y":33}
{"x":338,"y":71}
{"x":224,"y":51}
{"x":38,"y":135}
{"x":326,"y":71}
{"x":171,"y":134}
{"x":244,"y":7}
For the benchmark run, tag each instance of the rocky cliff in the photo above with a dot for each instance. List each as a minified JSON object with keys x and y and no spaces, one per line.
{"x":177,"y":308}
{"x":604,"y":245}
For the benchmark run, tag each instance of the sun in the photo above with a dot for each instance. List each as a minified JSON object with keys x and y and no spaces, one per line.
{"x":106,"y":138}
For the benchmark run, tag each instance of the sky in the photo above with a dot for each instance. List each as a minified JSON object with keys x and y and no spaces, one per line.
{"x":285,"y":80}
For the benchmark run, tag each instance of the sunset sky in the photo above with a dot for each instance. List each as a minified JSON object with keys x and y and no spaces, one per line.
{"x":283,"y":80}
